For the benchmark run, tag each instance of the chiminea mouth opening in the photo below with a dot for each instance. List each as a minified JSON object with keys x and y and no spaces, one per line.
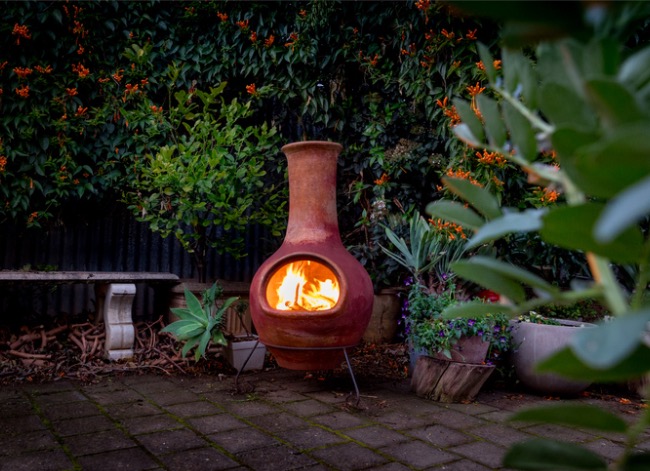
{"x":303,"y":285}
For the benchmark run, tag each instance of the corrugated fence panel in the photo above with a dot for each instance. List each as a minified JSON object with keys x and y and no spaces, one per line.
{"x":114,"y":242}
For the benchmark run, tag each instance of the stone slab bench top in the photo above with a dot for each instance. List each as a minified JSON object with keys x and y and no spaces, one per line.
{"x":87,"y":276}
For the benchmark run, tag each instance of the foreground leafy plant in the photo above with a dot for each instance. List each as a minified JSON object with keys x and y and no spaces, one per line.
{"x":586,"y":102}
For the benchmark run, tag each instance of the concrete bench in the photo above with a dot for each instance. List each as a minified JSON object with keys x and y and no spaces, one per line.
{"x":114,"y":292}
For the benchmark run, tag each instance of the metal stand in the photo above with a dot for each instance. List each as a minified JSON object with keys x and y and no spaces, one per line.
{"x":345,"y":353}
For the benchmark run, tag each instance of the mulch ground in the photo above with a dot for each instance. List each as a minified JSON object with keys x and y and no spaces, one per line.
{"x":75,"y":351}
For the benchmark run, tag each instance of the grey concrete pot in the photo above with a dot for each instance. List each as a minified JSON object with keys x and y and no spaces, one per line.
{"x":533,"y":343}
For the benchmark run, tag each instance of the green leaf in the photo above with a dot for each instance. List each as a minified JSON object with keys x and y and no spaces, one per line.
{"x":469,"y":118}
{"x":526,"y":221}
{"x":463,"y":132}
{"x":576,"y":415}
{"x":611,"y":342}
{"x":613,"y":102}
{"x":491,"y":266}
{"x":455,"y":212}
{"x":567,"y":364}
{"x":635,"y":70}
{"x":203,"y":345}
{"x":541,"y":454}
{"x":491,"y":280}
{"x":626,"y":209}
{"x":521,"y":132}
{"x":488,"y":62}
{"x":194,"y":307}
{"x":571,"y":227}
{"x":637,"y":462}
{"x":475,"y":195}
{"x":563,"y":107}
{"x":494,"y":127}
{"x":475,"y":309}
{"x":191,"y":343}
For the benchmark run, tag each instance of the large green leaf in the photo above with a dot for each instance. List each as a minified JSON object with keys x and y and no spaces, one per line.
{"x":637,"y":462}
{"x":635,"y":70}
{"x":566,"y":141}
{"x":576,"y":415}
{"x":488,"y":267}
{"x":469,"y":118}
{"x":566,"y":363}
{"x":571,"y":227}
{"x":563,"y":107}
{"x":521,"y":132}
{"x":628,"y":208}
{"x":611,"y":342}
{"x":541,"y":454}
{"x":488,"y":62}
{"x":455,"y":212}
{"x":494,"y":127}
{"x":610,"y":165}
{"x":525,"y":221}
{"x":490,"y":279}
{"x":475,"y":195}
{"x":194,"y":306}
{"x":614,"y":103}
{"x":475,"y":309}
{"x":463,"y":132}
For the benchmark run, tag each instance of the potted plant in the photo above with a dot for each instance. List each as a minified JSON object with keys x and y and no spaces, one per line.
{"x":202,"y":322}
{"x":536,"y":338}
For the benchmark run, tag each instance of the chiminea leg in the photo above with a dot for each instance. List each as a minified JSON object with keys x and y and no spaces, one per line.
{"x":354,"y":381}
{"x":244,"y":365}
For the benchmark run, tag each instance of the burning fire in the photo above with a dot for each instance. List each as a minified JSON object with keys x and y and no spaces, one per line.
{"x":303,"y":286}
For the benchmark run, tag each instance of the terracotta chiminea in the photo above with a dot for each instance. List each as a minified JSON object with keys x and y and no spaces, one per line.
{"x":311,"y":299}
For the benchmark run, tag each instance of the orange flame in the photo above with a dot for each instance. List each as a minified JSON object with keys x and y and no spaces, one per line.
{"x":303,"y":286}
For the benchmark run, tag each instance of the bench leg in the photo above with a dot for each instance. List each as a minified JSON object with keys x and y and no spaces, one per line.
{"x":114,"y":303}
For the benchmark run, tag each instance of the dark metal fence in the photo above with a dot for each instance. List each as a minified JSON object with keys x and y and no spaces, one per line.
{"x":110,"y":242}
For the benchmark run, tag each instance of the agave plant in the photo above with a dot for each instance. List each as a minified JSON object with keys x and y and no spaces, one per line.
{"x":200,"y":322}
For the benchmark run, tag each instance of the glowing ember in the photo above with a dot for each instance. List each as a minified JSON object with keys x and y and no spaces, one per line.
{"x":303,"y":286}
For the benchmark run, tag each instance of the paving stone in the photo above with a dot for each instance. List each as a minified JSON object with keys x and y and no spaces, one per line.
{"x":215,"y":423}
{"x":348,"y":457}
{"x":153,"y":423}
{"x":160,"y":443}
{"x":27,"y":442}
{"x":275,"y":458}
{"x":392,"y":467}
{"x":556,"y":432}
{"x":115,"y":396}
{"x":441,"y":436}
{"x":312,"y":437}
{"x":14,"y":425}
{"x":243,"y":439}
{"x":61,"y":411}
{"x":193,"y":409}
{"x":473,"y":408}
{"x":277,"y":422}
{"x":457,"y":420}
{"x":282,"y":395}
{"x":49,"y":460}
{"x":376,"y":436}
{"x":59,"y":397}
{"x":99,"y":442}
{"x":82,"y":425}
{"x":339,"y":420}
{"x":403,"y":420}
{"x":463,"y":465}
{"x":168,"y":398}
{"x":202,"y":459}
{"x":498,"y":433}
{"x":127,"y":459}
{"x":485,"y":453}
{"x":139,"y":408}
{"x":308,"y":408}
{"x":418,"y":454}
{"x":248,"y":408}
{"x":328,"y":397}
{"x":15,"y":405}
{"x":605,"y":448}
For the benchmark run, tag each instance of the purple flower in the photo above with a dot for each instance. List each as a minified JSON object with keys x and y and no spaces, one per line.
{"x":471,"y":322}
{"x":441,"y":333}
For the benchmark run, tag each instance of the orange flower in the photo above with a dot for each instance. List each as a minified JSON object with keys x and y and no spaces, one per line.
{"x":447,"y":34}
{"x":497,"y":64}
{"x":475,"y":90}
{"x":251,"y":89}
{"x":449,"y":229}
{"x":423,"y":5}
{"x":80,"y":70}
{"x":144,"y":81}
{"x":21,"y":31}
{"x":491,"y":158}
{"x":103,"y":80}
{"x":480,"y":66}
{"x":222,"y":16}
{"x":243,"y":24}
{"x":465,"y":175}
{"x":32,"y":217}
{"x":3,"y":163}
{"x":117,"y":76}
{"x":268,"y":42}
{"x":23,"y":91}
{"x":453,"y":115}
{"x":156,"y":109}
{"x":410,"y":51}
{"x":71,"y":91}
{"x":253,"y":37}
{"x":81,"y":111}
{"x":471,"y":35}
{"x":443,"y":104}
{"x":131,"y":89}
{"x":80,"y":50}
{"x":47,"y":70}
{"x":22,"y":72}
{"x":293,"y":38}
{"x":549,"y":195}
{"x":3,"y":65}
{"x":303,"y":13}
{"x":382,"y":180}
